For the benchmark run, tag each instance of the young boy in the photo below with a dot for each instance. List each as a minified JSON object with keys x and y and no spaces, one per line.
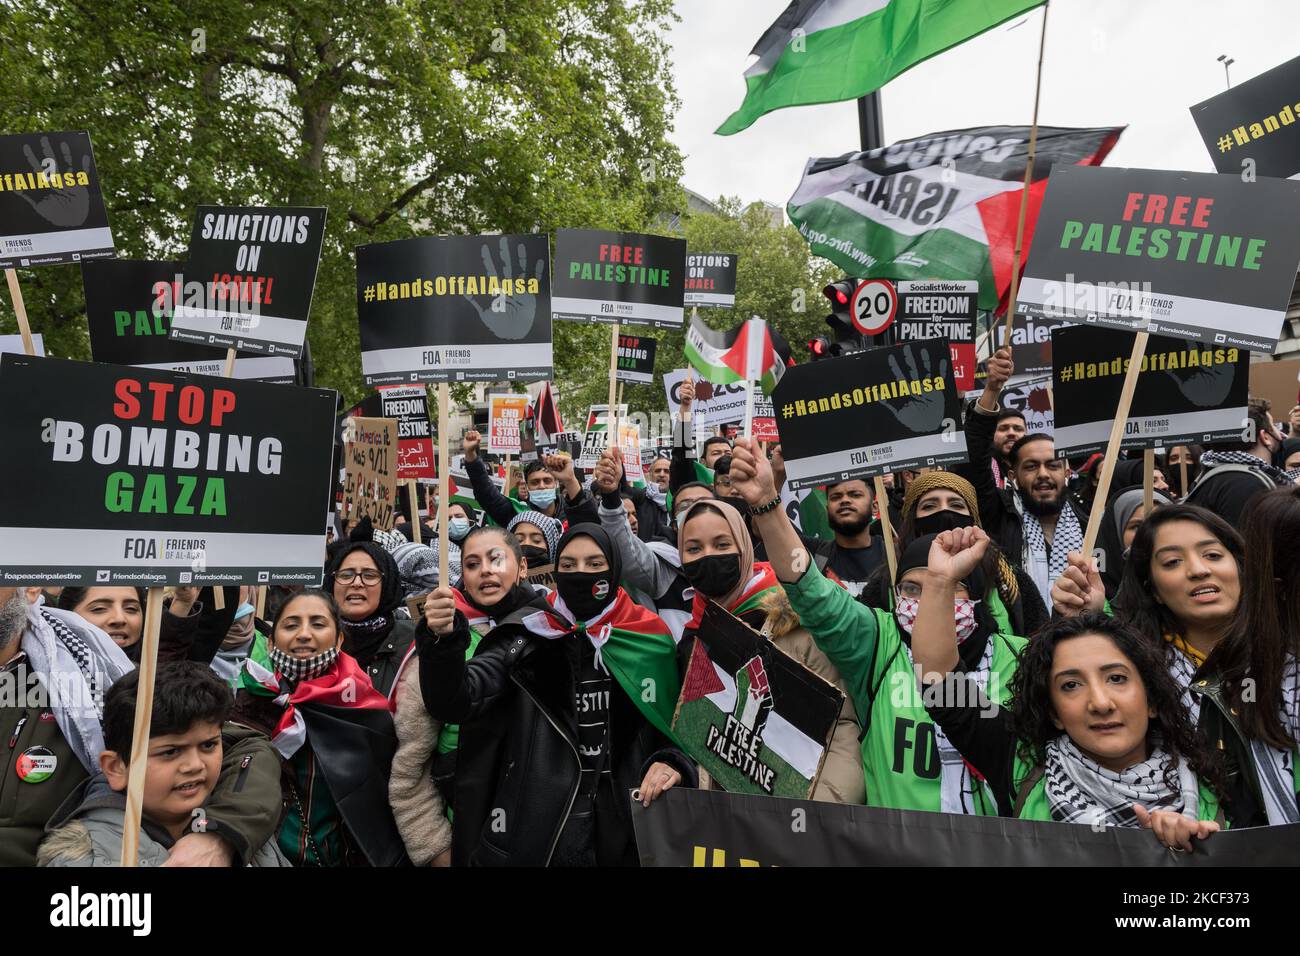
{"x":183,"y":765}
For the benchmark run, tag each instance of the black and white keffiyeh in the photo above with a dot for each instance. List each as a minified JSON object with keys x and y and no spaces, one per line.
{"x":1276,"y":768}
{"x":295,"y":669}
{"x":1183,"y":669}
{"x":1046,"y":563}
{"x":1080,"y":790}
{"x":1212,"y":458}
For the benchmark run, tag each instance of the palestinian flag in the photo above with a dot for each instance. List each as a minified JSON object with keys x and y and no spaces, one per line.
{"x":545,"y":414}
{"x":752,"y":352}
{"x":461,"y":492}
{"x":808,"y":513}
{"x":824,"y":51}
{"x":760,"y":583}
{"x":900,"y":213}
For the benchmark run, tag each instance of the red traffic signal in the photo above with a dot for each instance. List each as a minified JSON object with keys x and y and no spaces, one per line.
{"x":840,"y":293}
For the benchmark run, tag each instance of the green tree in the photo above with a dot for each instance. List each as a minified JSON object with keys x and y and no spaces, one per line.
{"x":419,"y":117}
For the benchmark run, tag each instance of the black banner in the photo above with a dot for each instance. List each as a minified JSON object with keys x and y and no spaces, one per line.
{"x":1186,"y":392}
{"x":1193,"y":255}
{"x":865,"y":414}
{"x":1031,"y":345}
{"x":137,"y":476}
{"x":51,"y":203}
{"x":128,"y":311}
{"x":624,"y":277}
{"x":636,"y":359}
{"x":691,"y":828}
{"x":1253,"y":128}
{"x":711,"y":279}
{"x":250,"y":277}
{"x":455,"y":309}
{"x":942,"y":310}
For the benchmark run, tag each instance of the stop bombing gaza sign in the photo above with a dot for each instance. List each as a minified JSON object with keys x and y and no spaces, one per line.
{"x":150,"y":477}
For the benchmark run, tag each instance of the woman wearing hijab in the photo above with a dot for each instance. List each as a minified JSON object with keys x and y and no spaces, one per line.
{"x":367,"y":586}
{"x":1125,"y":512}
{"x":334,"y":733}
{"x":1095,"y":731}
{"x":941,"y":501}
{"x":718,"y":560}
{"x":538,"y":536}
{"x":555,"y":723}
{"x":907,"y":761}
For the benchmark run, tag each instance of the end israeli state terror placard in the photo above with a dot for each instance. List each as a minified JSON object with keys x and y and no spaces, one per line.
{"x":752,"y":716}
{"x":455,"y":309}
{"x":636,"y":359}
{"x":51,"y":203}
{"x":1254,"y":127}
{"x":711,"y":279}
{"x":624,"y":277}
{"x":146,"y":477}
{"x":1186,"y":392}
{"x":129,"y":311}
{"x":1198,"y":256}
{"x":861,"y":415}
{"x":934,"y":309}
{"x":249,"y":278}
{"x":506,"y":414}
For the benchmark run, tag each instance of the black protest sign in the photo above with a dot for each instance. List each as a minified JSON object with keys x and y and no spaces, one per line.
{"x":942,"y":310}
{"x":249,"y":278}
{"x":1186,"y":392}
{"x":689,"y":828}
{"x":711,"y":279}
{"x":1031,"y":345}
{"x":1253,"y":129}
{"x":409,"y":407}
{"x":128,"y":311}
{"x":619,"y":277}
{"x":872,"y":412}
{"x":636,"y":359}
{"x":752,"y":716}
{"x":140,"y":476}
{"x":455,"y":309}
{"x":51,"y":203}
{"x":1193,"y":255}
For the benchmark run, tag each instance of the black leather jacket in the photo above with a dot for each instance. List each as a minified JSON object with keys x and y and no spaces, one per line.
{"x":517,"y":764}
{"x":1244,"y":801}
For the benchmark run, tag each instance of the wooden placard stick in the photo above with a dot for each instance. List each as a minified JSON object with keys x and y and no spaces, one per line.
{"x":444,"y":488}
{"x":1148,"y":481}
{"x":611,"y":436}
{"x":230,"y":364}
{"x":1182,"y":475}
{"x":1112,"y":446}
{"x":143,"y":716}
{"x":886,"y":528}
{"x":414,"y":498}
{"x":260,"y":613}
{"x":20,"y":310}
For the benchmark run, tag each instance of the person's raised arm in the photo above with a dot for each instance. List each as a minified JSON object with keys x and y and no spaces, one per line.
{"x":953,"y":555}
{"x":1079,"y":587}
{"x":643,"y":569}
{"x":489,"y":497}
{"x":756,"y":484}
{"x":454,"y":689}
{"x":981,"y":423}
{"x":681,"y":466}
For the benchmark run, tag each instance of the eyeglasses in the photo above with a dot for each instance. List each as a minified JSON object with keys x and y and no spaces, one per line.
{"x":909,"y":589}
{"x":369,"y":577}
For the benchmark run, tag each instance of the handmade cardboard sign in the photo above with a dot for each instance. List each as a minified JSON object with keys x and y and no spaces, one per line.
{"x":370,"y":460}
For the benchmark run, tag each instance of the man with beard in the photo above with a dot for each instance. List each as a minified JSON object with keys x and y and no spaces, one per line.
{"x":855,"y":554}
{"x":1033,"y":519}
{"x":1010,"y":429}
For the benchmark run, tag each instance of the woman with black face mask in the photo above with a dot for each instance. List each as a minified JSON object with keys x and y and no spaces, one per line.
{"x":555,"y":724}
{"x":718,"y":559}
{"x":939,"y":501}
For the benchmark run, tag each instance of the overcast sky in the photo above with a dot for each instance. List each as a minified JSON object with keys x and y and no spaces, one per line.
{"x":1108,"y":63}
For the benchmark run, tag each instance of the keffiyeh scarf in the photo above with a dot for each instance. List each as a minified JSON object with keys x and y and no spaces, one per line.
{"x":1212,"y":458}
{"x":1082,"y":791}
{"x":1046,"y":564}
{"x":1276,"y":768}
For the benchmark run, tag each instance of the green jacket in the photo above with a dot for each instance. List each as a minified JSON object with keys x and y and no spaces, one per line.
{"x":900,"y":755}
{"x":1032,"y":804}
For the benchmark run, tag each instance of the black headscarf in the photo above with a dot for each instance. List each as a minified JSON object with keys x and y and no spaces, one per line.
{"x":598,"y":535}
{"x":362,"y":638}
{"x":917,"y":555}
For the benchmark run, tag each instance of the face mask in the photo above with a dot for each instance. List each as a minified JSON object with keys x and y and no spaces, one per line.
{"x":585,"y":593}
{"x":542,"y":498}
{"x":715,"y":575}
{"x":938,"y":522}
{"x":457,"y":528}
{"x":535,"y":556}
{"x":302,"y":668}
{"x":244,"y":610}
{"x":963,"y":615}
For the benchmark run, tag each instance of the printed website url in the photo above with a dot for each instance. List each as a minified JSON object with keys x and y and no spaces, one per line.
{"x":1203,"y":923}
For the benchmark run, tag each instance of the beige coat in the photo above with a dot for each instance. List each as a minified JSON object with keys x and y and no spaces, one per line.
{"x":418,"y":807}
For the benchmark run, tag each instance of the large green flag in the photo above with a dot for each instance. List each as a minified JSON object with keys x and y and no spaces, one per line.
{"x":824,"y":51}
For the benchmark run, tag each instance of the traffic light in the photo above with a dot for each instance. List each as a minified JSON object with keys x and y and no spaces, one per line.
{"x":840,"y":294}
{"x":819,"y":347}
{"x":844,"y":338}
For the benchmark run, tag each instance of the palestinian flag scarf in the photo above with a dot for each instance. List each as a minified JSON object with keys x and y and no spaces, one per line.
{"x":751,"y":596}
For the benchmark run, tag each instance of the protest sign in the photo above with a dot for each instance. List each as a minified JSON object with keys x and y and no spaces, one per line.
{"x":711,"y":279}
{"x":619,"y":277}
{"x":370,"y":460}
{"x":51,"y":203}
{"x":686,"y":827}
{"x":872,"y":412}
{"x":942,"y":310}
{"x":636,"y":359}
{"x":752,"y":716}
{"x":1185,"y":393}
{"x":455,"y":309}
{"x":1251,"y":128}
{"x":714,"y":406}
{"x":138,"y":476}
{"x":409,"y":406}
{"x":629,"y":444}
{"x":250,"y":277}
{"x":128,"y":312}
{"x":594,"y":439}
{"x":1031,"y":346}
{"x":763,"y":425}
{"x":505,"y":418}
{"x":14,"y":343}
{"x":570,"y":443}
{"x":1192,"y":255}
{"x":1032,"y":399}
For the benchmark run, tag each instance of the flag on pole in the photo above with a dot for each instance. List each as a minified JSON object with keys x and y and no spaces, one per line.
{"x":824,"y":51}
{"x":546,"y":415}
{"x":751,"y":352}
{"x":945,"y":204}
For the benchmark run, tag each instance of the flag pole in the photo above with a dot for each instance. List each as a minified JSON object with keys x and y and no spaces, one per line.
{"x":20,"y":310}
{"x":1024,"y":194}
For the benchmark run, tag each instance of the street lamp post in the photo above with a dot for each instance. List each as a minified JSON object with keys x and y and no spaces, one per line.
{"x":1227,"y":62}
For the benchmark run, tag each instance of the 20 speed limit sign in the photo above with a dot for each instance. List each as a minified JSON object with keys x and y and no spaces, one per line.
{"x":873,"y":306}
